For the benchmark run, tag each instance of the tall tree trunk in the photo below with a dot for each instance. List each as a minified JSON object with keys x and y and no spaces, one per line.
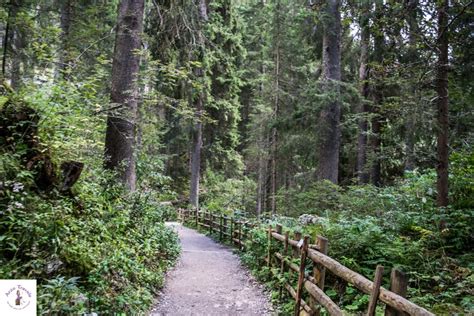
{"x":196,"y":154}
{"x":199,"y":108}
{"x":261,"y":144}
{"x":442,"y":102}
{"x":375,"y":144}
{"x":267,"y":175}
{"x":330,"y":133}
{"x":6,"y":41}
{"x":375,"y":139}
{"x":260,"y":183}
{"x":410,"y":143}
{"x":17,"y":46}
{"x":120,"y":133}
{"x":412,"y":57}
{"x":361,"y":168}
{"x":13,"y":44}
{"x":64,"y":54}
{"x":276,"y":106}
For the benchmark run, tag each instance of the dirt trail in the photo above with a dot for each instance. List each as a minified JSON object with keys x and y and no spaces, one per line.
{"x":209,"y":280}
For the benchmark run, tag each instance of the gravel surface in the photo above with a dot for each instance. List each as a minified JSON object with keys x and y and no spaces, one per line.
{"x":209,"y":280}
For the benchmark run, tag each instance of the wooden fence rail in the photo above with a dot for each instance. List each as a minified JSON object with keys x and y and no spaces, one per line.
{"x":310,"y":286}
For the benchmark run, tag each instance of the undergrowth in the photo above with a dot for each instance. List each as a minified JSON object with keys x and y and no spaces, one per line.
{"x":96,"y":249}
{"x":397,"y":226}
{"x":109,"y":256}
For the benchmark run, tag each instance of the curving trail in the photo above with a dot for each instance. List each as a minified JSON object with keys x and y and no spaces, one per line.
{"x":209,"y":280}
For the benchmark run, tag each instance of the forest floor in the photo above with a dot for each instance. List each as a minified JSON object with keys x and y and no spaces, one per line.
{"x":209,"y":280}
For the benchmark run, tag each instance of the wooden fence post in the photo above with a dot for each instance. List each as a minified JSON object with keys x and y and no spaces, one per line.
{"x":215,"y":227}
{"x":240,"y":235}
{"x":209,"y":222}
{"x":231,"y":230}
{"x":398,"y":285}
{"x":269,"y":250}
{"x":301,"y":276}
{"x":249,"y":231}
{"x":225,"y":225}
{"x":374,"y":296}
{"x":213,"y":221}
{"x":283,"y":265}
{"x":221,"y":220}
{"x":279,"y":229}
{"x":197,"y":217}
{"x":211,"y":230}
{"x":296,"y":252}
{"x":319,"y":271}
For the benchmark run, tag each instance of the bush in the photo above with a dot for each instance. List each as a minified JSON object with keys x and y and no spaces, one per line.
{"x":97,"y":249}
{"x":112,"y":254}
{"x":222,"y":194}
{"x":397,"y":226}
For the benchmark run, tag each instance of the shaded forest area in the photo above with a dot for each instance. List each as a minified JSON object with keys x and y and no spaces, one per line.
{"x":113,"y":112}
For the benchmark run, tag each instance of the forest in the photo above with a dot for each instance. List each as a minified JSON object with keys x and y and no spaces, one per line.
{"x":355,"y":114}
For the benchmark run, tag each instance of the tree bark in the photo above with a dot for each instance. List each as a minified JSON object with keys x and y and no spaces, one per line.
{"x":276,"y":106}
{"x":64,"y":54}
{"x":412,"y":56}
{"x":330,"y":131}
{"x":17,"y":46}
{"x":120,"y":133}
{"x":196,"y":155}
{"x":375,"y":139}
{"x":199,"y":107}
{"x":442,"y":103}
{"x":259,"y":184}
{"x":361,"y":168}
{"x":6,"y":40}
{"x":13,"y":43}
{"x":376,"y":143}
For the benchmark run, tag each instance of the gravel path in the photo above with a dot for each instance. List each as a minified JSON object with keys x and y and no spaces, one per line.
{"x":209,"y":280}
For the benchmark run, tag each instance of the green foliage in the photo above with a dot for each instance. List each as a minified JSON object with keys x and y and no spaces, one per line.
{"x":462,"y":179}
{"x":115,"y":248}
{"x":398,"y":226}
{"x":295,"y":202}
{"x":224,"y":57}
{"x":232,"y":194}
{"x":61,"y":296}
{"x":98,"y":249}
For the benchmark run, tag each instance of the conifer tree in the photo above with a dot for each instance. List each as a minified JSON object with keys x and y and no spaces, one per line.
{"x":329,"y":119}
{"x":120,"y":133}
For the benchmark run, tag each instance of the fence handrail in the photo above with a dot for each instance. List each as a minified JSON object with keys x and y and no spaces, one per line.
{"x":311,"y":284}
{"x":359,"y":281}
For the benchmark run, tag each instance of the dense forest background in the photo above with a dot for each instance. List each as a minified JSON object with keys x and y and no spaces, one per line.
{"x":357,"y":112}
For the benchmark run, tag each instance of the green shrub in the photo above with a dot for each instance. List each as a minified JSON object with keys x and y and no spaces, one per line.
{"x":396,"y":226}
{"x":112,"y":253}
{"x":221,"y":194}
{"x":98,"y":249}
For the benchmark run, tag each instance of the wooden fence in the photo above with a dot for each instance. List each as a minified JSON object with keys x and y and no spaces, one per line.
{"x":309,"y":285}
